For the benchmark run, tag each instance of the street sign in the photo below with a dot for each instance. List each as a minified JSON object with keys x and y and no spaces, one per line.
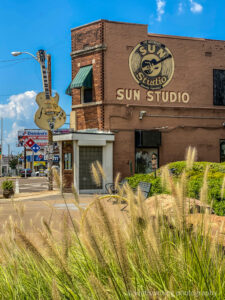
{"x":40,"y":156}
{"x":35,"y":148}
{"x":30,"y":143}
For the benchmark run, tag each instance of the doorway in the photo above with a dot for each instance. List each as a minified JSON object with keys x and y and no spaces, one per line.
{"x":87,"y":156}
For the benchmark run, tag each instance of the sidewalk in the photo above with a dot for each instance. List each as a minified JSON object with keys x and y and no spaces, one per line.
{"x":43,"y":196}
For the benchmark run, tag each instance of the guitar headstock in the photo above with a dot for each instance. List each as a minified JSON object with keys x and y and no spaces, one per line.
{"x":41,"y":55}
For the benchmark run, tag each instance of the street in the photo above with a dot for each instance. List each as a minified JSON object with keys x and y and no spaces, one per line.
{"x":33,"y":210}
{"x":29,"y":184}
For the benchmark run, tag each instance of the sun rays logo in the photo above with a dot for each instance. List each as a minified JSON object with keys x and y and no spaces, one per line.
{"x":151,"y":65}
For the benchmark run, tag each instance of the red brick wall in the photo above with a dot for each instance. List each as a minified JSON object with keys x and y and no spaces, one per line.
{"x":89,"y":117}
{"x":193,"y":74}
{"x":82,"y":39}
{"x":85,"y":60}
{"x":86,"y":36}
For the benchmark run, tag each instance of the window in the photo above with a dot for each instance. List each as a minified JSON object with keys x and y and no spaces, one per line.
{"x":218,"y":87}
{"x":86,"y":95}
{"x":222,"y":150}
{"x":67,"y":161}
{"x":146,"y":160}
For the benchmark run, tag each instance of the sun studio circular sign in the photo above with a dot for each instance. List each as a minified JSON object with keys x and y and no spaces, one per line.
{"x":151,"y":65}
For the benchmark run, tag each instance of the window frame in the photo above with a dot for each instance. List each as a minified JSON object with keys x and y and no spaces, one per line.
{"x":215,"y":89}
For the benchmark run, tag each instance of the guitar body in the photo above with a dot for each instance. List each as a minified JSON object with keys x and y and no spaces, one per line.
{"x":50,"y":115}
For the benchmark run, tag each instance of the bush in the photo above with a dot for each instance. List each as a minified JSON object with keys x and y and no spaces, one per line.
{"x":216,"y":174}
{"x":7,"y":185}
{"x":156,"y":187}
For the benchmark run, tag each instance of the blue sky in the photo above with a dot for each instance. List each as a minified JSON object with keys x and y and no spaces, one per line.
{"x":28,"y":25}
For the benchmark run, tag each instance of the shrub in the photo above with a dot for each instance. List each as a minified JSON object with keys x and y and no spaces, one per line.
{"x":7,"y":185}
{"x":219,"y":208}
{"x":216,"y":174}
{"x":156,"y":187}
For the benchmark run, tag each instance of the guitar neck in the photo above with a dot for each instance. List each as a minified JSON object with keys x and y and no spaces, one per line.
{"x":45,"y":80}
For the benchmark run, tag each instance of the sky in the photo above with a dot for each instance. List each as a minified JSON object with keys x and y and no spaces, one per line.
{"x":28,"y":25}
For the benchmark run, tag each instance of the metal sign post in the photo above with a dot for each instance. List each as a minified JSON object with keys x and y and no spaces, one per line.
{"x":50,"y":139}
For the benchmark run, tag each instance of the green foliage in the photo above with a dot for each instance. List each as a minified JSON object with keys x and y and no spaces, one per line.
{"x":13,"y":162}
{"x":156,"y":187}
{"x":219,"y":208}
{"x":7,"y":185}
{"x":216,"y":174}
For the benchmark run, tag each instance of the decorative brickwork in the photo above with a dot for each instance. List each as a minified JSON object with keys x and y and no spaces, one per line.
{"x":85,"y":37}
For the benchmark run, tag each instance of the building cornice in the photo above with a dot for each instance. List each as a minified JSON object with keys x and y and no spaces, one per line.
{"x":84,"y":105}
{"x":88,"y":50}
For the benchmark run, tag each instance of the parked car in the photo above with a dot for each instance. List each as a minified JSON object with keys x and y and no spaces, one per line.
{"x":28,"y":172}
{"x":53,"y":168}
{"x":41,"y":172}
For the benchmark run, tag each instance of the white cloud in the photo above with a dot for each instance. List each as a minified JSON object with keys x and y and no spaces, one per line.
{"x":18,"y":113}
{"x":160,"y":9}
{"x":19,"y":107}
{"x":196,"y":7}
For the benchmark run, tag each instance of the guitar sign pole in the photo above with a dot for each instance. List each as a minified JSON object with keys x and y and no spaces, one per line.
{"x":50,"y":140}
{"x":49,"y":116}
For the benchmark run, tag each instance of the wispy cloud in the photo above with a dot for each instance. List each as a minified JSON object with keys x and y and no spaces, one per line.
{"x":180,"y":7}
{"x":196,"y":7}
{"x":160,"y":9}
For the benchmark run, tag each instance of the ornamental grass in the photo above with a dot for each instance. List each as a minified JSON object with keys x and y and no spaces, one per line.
{"x":114,"y":254}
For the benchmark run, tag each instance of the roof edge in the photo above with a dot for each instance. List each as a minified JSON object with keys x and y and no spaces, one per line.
{"x":182,"y":37}
{"x":106,"y":21}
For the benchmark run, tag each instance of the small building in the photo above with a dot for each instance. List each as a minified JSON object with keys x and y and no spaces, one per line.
{"x":143,"y":95}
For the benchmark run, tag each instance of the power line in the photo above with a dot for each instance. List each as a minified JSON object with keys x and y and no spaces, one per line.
{"x":15,"y":59}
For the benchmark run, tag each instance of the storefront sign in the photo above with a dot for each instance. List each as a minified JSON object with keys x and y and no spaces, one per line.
{"x":39,"y":136}
{"x":152,"y":96}
{"x":151,"y":64}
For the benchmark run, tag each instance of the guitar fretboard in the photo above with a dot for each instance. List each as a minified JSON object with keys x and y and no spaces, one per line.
{"x":45,"y":80}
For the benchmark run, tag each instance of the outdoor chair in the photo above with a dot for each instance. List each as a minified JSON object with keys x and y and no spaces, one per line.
{"x":145,"y":188}
{"x":112,"y":189}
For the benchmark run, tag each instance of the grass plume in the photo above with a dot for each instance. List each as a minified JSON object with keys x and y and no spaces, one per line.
{"x":155,"y":249}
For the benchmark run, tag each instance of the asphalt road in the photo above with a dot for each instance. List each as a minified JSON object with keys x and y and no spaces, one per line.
{"x":30,"y":184}
{"x":52,"y":208}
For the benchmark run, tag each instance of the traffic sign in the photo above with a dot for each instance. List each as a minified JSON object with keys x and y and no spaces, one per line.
{"x":40,"y":156}
{"x":30,"y":143}
{"x":35,"y":148}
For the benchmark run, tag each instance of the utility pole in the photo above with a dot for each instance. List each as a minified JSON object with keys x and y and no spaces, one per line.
{"x":50,"y":139}
{"x":1,"y":146}
{"x":8,"y":157}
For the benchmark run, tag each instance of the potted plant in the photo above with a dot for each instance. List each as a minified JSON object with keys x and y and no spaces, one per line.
{"x":8,"y":188}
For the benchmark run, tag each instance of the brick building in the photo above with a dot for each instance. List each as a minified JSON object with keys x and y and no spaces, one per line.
{"x":137,"y":96}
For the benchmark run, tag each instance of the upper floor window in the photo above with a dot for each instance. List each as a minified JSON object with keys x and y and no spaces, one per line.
{"x":83,"y":81}
{"x":87,"y":95}
{"x":218,"y":87}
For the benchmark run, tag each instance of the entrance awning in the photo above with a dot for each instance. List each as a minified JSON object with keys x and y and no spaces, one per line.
{"x":82,"y":79}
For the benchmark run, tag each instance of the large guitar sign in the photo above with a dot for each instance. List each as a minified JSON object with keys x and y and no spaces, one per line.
{"x":50,"y":115}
